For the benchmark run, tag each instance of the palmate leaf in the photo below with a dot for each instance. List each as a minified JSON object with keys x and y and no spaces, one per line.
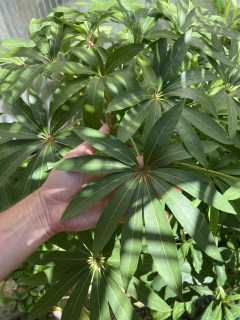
{"x":6,"y":190}
{"x":10,"y":147}
{"x":131,"y":239}
{"x":67,"y":67}
{"x":41,"y":42}
{"x":232,"y":117}
{"x":189,"y":216}
{"x":57,"y":258}
{"x":56,"y":34}
{"x":84,"y":164}
{"x":87,"y":56}
{"x":160,"y":134}
{"x":153,"y":115}
{"x":148,"y":74}
{"x":39,"y":111}
{"x":68,"y":138}
{"x":182,"y":10}
{"x":224,"y":32}
{"x":159,"y":56}
{"x":112,"y":214}
{"x":160,"y":241}
{"x":24,"y":53}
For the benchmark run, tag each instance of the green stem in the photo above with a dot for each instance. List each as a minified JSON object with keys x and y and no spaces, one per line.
{"x":135,"y":147}
{"x":55,"y":79}
{"x":127,"y":36}
{"x":100,"y":38}
{"x":72,"y":124}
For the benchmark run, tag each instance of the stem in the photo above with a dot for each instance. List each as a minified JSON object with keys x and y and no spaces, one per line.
{"x":100,"y":38}
{"x":135,"y":147}
{"x":106,"y":87}
{"x":127,"y":36}
{"x":72,"y":124}
{"x":102,"y":123}
{"x":55,"y":79}
{"x":211,"y":171}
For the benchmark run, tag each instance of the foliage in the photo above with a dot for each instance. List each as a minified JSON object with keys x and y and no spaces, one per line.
{"x":168,"y":86}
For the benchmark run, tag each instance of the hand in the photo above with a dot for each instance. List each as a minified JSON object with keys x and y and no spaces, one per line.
{"x":61,"y":187}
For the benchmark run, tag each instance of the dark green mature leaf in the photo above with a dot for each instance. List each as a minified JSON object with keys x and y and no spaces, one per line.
{"x":195,"y":186}
{"x":56,"y":35}
{"x":55,"y":294}
{"x":172,"y":153}
{"x":23,"y":53}
{"x":175,"y":56}
{"x":160,"y":241}
{"x":87,"y":56}
{"x":160,"y":134}
{"x":12,"y":162}
{"x":153,"y":115}
{"x":10,"y":81}
{"x":119,"y":302}
{"x":65,"y":91}
{"x":206,"y":124}
{"x":84,"y":164}
{"x":148,"y":74}
{"x":68,"y":138}
{"x":98,"y":298}
{"x":95,"y":191}
{"x":6,"y":190}
{"x":107,"y":144}
{"x":74,"y":305}
{"x":159,"y":56}
{"x":14,"y":130}
{"x":39,"y":111}
{"x":182,"y":10}
{"x":67,"y":67}
{"x":224,"y":32}
{"x":131,"y":239}
{"x":189,"y":77}
{"x":189,"y":216}
{"x":219,"y":99}
{"x":93,"y":106}
{"x":112,"y":214}
{"x":194,"y":15}
{"x":127,"y":99}
{"x":57,"y":258}
{"x":232,"y":117}
{"x":133,"y":119}
{"x":41,"y":42}
{"x":10,"y":147}
{"x":66,"y":112}
{"x":122,"y":55}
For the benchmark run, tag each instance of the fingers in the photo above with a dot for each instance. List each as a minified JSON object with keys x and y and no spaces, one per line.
{"x":85,"y":148}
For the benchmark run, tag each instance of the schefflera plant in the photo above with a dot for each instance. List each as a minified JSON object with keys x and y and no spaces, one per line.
{"x":138,"y":191}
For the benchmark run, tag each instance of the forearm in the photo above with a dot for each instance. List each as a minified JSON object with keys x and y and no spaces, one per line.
{"x":23,"y":228}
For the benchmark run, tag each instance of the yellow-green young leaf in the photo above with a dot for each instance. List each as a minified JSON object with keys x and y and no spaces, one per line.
{"x":127,"y":99}
{"x":56,"y":34}
{"x":227,"y":313}
{"x":182,"y":11}
{"x":119,"y":302}
{"x":20,"y":109}
{"x":159,"y":55}
{"x":189,"y":216}
{"x":39,"y":111}
{"x":218,"y":312}
{"x":233,"y":192}
{"x":221,"y":275}
{"x":131,"y":239}
{"x":213,"y":216}
{"x":56,"y":292}
{"x":133,"y":119}
{"x":95,"y":191}
{"x":67,"y":67}
{"x":178,"y":310}
{"x":108,"y":144}
{"x":41,"y":42}
{"x":153,"y":115}
{"x":148,"y":74}
{"x":87,"y":56}
{"x":47,"y":276}
{"x":12,"y":162}
{"x":207,"y":311}
{"x":160,"y":241}
{"x":122,"y":55}
{"x":232,"y":116}
{"x":234,"y":307}
{"x":13,"y":42}
{"x":197,"y":258}
{"x":84,"y":164}
{"x":99,"y":309}
{"x":195,"y":186}
{"x":66,"y":112}
{"x":160,"y":133}
{"x":206,"y":124}
{"x":112,"y":214}
{"x":65,"y":92}
{"x":93,"y":105}
{"x":74,"y":305}
{"x":24,"y":53}
{"x":57,"y":258}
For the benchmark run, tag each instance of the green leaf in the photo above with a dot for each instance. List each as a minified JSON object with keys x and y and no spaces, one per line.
{"x":206,"y":124}
{"x":195,"y":186}
{"x":160,"y":134}
{"x":87,"y":56}
{"x":41,"y":42}
{"x":217,"y":313}
{"x":233,"y":192}
{"x":172,"y":153}
{"x":57,"y":258}
{"x":55,"y":294}
{"x":197,"y":258}
{"x":99,"y":309}
{"x":182,"y":11}
{"x":6,"y":190}
{"x":13,"y":130}
{"x":90,"y":164}
{"x":213,"y":215}
{"x":39,"y":111}
{"x":74,"y":305}
{"x":65,"y":91}
{"x":12,"y":162}
{"x":133,"y":119}
{"x":131,"y":239}
{"x":153,"y":115}
{"x":232,"y":117}
{"x":189,"y":216}
{"x":160,"y":241}
{"x":175,"y":56}
{"x":66,"y":112}
{"x":196,"y":95}
{"x":95,"y":191}
{"x":189,"y":77}
{"x":68,"y":138}
{"x":93,"y":106}
{"x":56,"y":35}
{"x":108,"y":144}
{"x":112,"y":214}
{"x":221,"y":275}
{"x":148,"y":74}
{"x":228,"y":313}
{"x":24,"y":53}
{"x":67,"y":67}
{"x":127,"y":99}
{"x":224,"y":32}
{"x":119,"y":302}
{"x":220,"y":5}
{"x":21,"y":110}
{"x":220,"y":99}
{"x":159,"y":56}
{"x":13,"y":42}
{"x":234,"y":307}
{"x":122,"y":55}
{"x":10,"y":147}
{"x":194,"y":15}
